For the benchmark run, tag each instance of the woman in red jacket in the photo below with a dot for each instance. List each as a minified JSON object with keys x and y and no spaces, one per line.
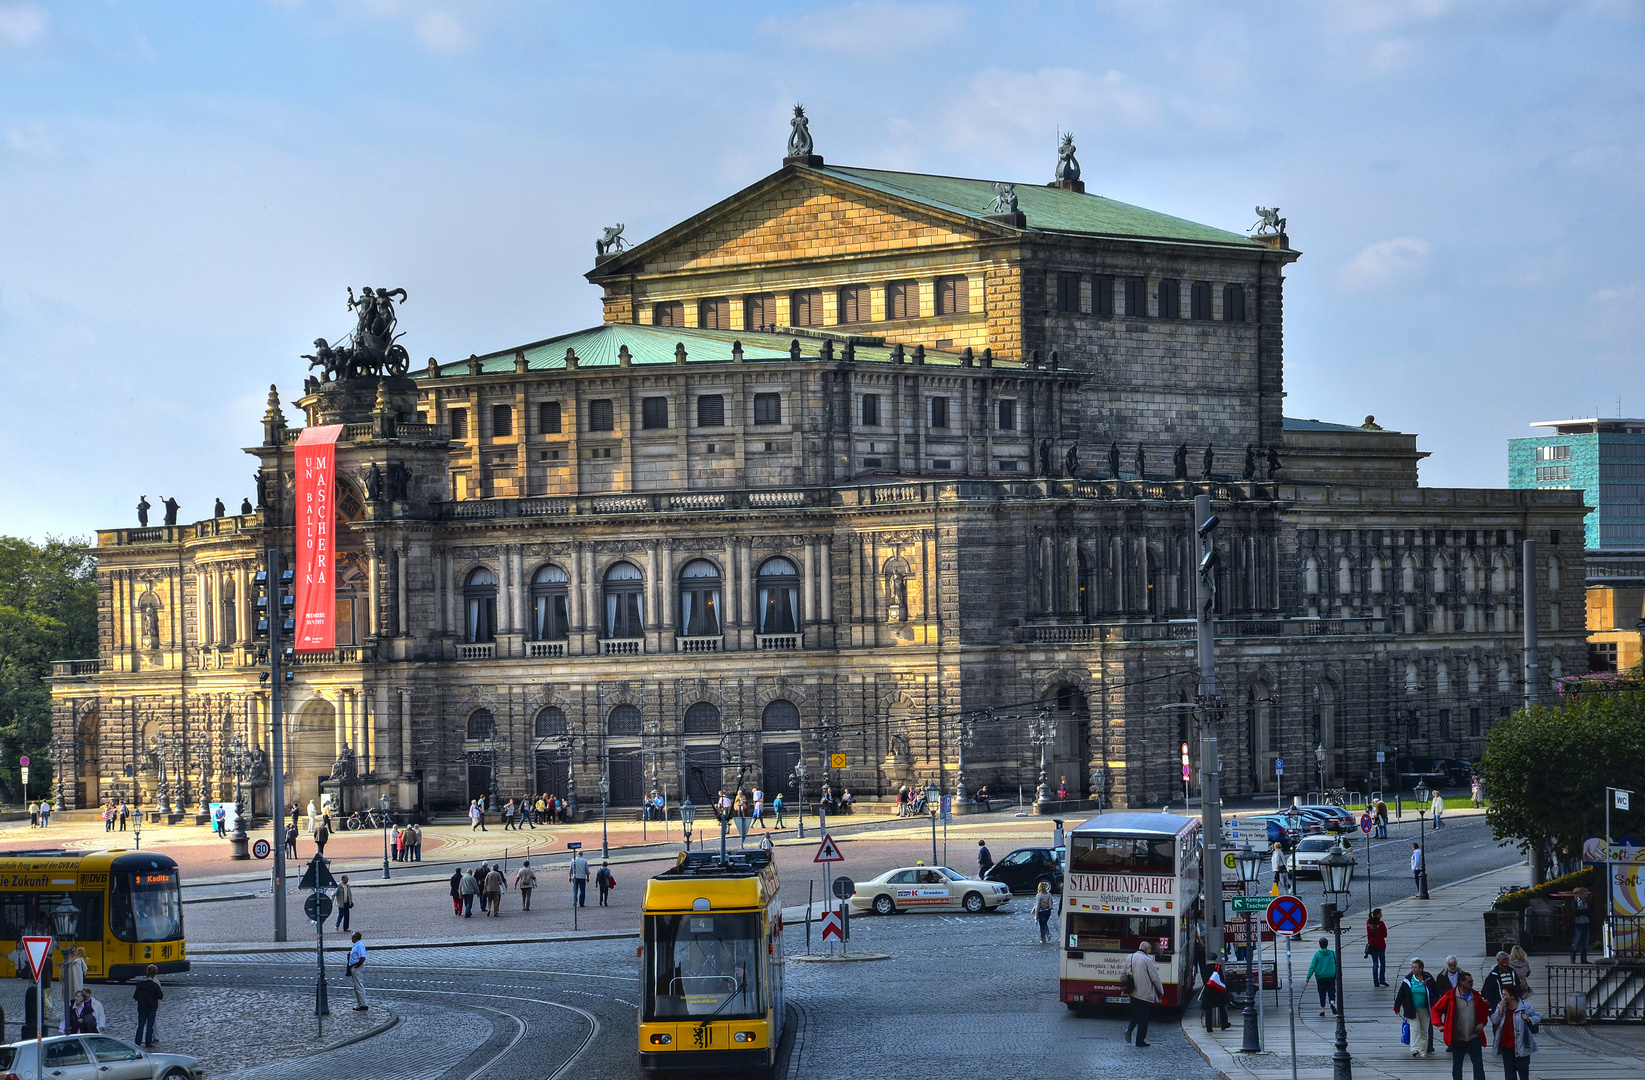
{"x":1376,"y":947}
{"x":1462,"y":1016}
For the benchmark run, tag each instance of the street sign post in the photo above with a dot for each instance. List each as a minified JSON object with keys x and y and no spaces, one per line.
{"x":1279,"y":785}
{"x":1287,"y":915}
{"x":831,"y":927}
{"x":844,"y":887}
{"x":318,"y":907}
{"x":1365,"y":823}
{"x":1246,"y":904}
{"x":828,"y":851}
{"x":262,"y":849}
{"x":838,"y":761}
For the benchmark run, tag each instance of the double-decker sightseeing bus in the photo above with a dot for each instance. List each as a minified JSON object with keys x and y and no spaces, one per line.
{"x":712,"y":965}
{"x":129,"y":908}
{"x":1130,"y":878}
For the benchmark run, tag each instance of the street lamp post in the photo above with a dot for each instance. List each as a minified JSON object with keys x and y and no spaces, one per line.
{"x":1337,"y":870}
{"x":1042,"y":729}
{"x":382,"y":807}
{"x":933,"y":798}
{"x":688,"y":818}
{"x":605,"y":800}
{"x":570,"y":780}
{"x":57,"y":769}
{"x":1319,"y":761}
{"x":1250,"y":867}
{"x":202,"y":754}
{"x":66,"y":918}
{"x":1421,"y":793}
{"x":968,"y":731}
{"x":798,"y":777}
{"x":238,"y":760}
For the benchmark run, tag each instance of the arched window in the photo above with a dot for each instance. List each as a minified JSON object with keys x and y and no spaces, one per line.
{"x":780,"y":715}
{"x":624,"y":602}
{"x":550,"y":722}
{"x":777,"y":590}
{"x":480,"y":606}
{"x":1345,"y":576}
{"x":1470,"y":574}
{"x":1310,"y":576}
{"x":1412,"y":679}
{"x":1473,"y":677}
{"x":550,"y":613}
{"x":1408,"y":574}
{"x":1502,"y":576}
{"x":1553,"y":574}
{"x":1442,"y":678}
{"x":703,"y":718}
{"x":624,"y":720}
{"x":1440,"y":566}
{"x":700,"y":600}
{"x":1504,"y":680}
{"x":481,"y":724}
{"x":1375,"y":588}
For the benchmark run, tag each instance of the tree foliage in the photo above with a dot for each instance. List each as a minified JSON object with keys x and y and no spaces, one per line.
{"x":48,"y":611}
{"x":1546,"y":770}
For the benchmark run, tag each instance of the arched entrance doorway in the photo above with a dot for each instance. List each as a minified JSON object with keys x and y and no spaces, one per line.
{"x":311,"y":749}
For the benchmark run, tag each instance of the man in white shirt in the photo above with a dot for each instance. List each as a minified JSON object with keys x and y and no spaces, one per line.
{"x":1416,"y":865}
{"x":356,"y":959}
{"x":579,"y":880}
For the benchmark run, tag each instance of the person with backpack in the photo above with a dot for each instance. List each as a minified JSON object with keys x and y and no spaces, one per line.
{"x":525,"y":881}
{"x":1323,"y":970}
{"x":604,"y":881}
{"x":1042,"y":911}
{"x":1142,"y":983}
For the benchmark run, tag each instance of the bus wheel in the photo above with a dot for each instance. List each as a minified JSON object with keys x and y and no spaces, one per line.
{"x":884,"y":905}
{"x":972,"y":903}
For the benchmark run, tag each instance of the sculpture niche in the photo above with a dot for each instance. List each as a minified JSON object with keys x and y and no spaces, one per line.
{"x":373,"y":349}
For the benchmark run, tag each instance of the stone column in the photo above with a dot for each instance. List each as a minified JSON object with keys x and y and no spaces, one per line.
{"x":402,"y":619}
{"x":653,"y":601}
{"x":808,"y":578}
{"x":242,"y":605}
{"x":733,"y":585}
{"x":827,"y":605}
{"x":666,"y":614}
{"x":373,"y":624}
{"x":405,"y":731}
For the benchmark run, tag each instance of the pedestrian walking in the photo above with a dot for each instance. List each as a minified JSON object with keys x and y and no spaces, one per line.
{"x":219,"y":818}
{"x":1323,"y":970}
{"x":34,"y":814}
{"x":45,"y":814}
{"x":1418,"y":865}
{"x":1381,"y":821}
{"x":1580,"y":924}
{"x":1282,"y":871}
{"x":397,"y":843}
{"x":322,"y":833}
{"x":1513,"y":1026}
{"x":1477,"y":789}
{"x":82,"y":1017}
{"x":1462,"y":1018}
{"x":495,"y":884}
{"x":480,"y":875}
{"x":985,"y":858}
{"x":1042,"y":911}
{"x":1450,"y":976}
{"x":1062,"y":788}
{"x":1522,"y":972}
{"x":759,"y":808}
{"x":1376,"y":947}
{"x":125,"y":812}
{"x":528,"y":811}
{"x":467,"y":889}
{"x":291,"y":840}
{"x":476,"y":817}
{"x":356,"y":961}
{"x":1214,"y":998}
{"x":508,"y":815}
{"x":148,"y":996}
{"x":1436,"y":807}
{"x":1413,"y":1000}
{"x":604,"y":882}
{"x":525,"y":881}
{"x":457,"y":892}
{"x":108,"y":817}
{"x":777,"y":808}
{"x":344,"y":899}
{"x":1499,"y":979}
{"x":1142,"y":982}
{"x":416,"y":843}
{"x":579,"y":879}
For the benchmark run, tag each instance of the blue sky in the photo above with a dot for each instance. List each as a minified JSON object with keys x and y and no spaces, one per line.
{"x":188,"y":189}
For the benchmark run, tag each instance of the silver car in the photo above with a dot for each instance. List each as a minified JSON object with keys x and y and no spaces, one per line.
{"x":95,"y":1057}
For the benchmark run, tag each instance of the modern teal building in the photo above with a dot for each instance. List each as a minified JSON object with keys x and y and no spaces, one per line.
{"x":1604,"y":459}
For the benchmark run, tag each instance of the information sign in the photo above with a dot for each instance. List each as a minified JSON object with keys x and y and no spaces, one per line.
{"x":1244,"y":905}
{"x":1279,"y":766}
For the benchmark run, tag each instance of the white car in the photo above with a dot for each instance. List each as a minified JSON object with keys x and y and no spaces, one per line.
{"x":915,"y":888}
{"x":95,"y":1057}
{"x":1311,"y":849}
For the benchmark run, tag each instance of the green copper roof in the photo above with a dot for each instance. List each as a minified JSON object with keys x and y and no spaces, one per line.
{"x":1047,"y":209}
{"x":599,"y":347}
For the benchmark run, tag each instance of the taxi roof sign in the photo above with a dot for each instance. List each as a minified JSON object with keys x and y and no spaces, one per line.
{"x":828,"y":851}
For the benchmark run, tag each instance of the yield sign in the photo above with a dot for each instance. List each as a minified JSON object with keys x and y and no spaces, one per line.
{"x":831,"y":926}
{"x":827,"y":851}
{"x":37,"y":948}
{"x":1287,"y":915}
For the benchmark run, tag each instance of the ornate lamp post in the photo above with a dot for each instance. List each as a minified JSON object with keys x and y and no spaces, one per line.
{"x":968,"y":732}
{"x":382,"y":806}
{"x":1041,"y":730}
{"x":1337,"y":870}
{"x":798,"y":776}
{"x":66,"y":917}
{"x":933,"y":798}
{"x":1319,"y":762}
{"x":1421,"y":792}
{"x":237,"y":762}
{"x":163,"y":747}
{"x":688,"y":818}
{"x":202,"y":754}
{"x":57,"y":769}
{"x":1250,"y":868}
{"x":605,"y":799}
{"x":1098,"y":776}
{"x":571,"y":807}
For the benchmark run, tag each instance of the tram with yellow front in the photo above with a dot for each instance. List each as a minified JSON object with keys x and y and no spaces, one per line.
{"x":711,"y":965}
{"x":128,"y":908}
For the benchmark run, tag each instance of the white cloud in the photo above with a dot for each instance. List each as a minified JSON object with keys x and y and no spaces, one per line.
{"x":441,"y":32}
{"x":21,"y":24}
{"x":1387,"y":261}
{"x":999,"y":106}
{"x":870,"y":27}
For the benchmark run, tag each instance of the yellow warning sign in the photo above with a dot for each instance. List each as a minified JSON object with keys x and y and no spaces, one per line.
{"x":837,"y":761}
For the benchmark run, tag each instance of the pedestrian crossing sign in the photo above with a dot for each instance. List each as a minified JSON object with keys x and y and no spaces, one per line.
{"x":827,"y":851}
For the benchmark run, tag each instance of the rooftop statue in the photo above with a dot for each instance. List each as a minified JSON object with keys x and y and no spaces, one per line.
{"x":1268,"y":221}
{"x":373,"y":349}
{"x":611,"y":240}
{"x":1068,"y":166}
{"x":1005,"y":199}
{"x":799,"y":134}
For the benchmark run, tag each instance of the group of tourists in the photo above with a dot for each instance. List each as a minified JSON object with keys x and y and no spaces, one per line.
{"x":39,"y":814}
{"x":520,"y":813}
{"x":485,"y":884}
{"x":1470,"y":1018}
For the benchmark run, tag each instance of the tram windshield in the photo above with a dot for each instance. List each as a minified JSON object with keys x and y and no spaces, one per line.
{"x":147,"y":906}
{"x":703,"y":965}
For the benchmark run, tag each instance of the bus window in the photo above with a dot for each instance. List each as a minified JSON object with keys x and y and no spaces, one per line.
{"x":704,"y":965}
{"x":147,"y":906}
{"x":1098,"y":854}
{"x":25,"y":914}
{"x":1120,"y":933}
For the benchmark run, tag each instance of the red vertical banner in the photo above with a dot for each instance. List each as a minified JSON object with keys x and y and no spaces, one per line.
{"x":316,"y":592}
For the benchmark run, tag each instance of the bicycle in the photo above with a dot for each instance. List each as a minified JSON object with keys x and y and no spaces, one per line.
{"x":371,"y":821}
{"x":1337,"y":797}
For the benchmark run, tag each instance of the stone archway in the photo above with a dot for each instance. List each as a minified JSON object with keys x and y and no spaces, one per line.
{"x":311,"y":749}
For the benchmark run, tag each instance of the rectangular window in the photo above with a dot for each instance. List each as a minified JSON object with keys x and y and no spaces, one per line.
{"x":502,"y":421}
{"x":768,"y":408}
{"x":759,"y":311}
{"x":714,"y":313}
{"x":458,"y":419}
{"x":805,"y":308}
{"x":939,"y":412}
{"x":1233,"y":303}
{"x":711,"y":410}
{"x":1007,"y":464}
{"x":1445,"y":723}
{"x":854,"y":304}
{"x":953,"y":296}
{"x":1550,"y":473}
{"x":668,"y":313}
{"x":600,"y":416}
{"x":653,"y":413}
{"x":902,"y":300}
{"x":1199,"y":300}
{"x":1102,"y":295}
{"x":548,"y":418}
{"x":1068,"y":292}
{"x":1136,"y":297}
{"x":1473,"y":722}
{"x":942,"y":463}
{"x":871,"y":410}
{"x":1007,"y":408}
{"x":1170,"y":299}
{"x":1553,"y":453}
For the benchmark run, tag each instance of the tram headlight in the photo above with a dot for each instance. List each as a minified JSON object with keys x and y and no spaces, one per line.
{"x":744,"y":1037}
{"x":661,"y":1039}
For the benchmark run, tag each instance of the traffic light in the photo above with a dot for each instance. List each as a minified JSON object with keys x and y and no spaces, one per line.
{"x":288,"y":604}
{"x":259,"y":581}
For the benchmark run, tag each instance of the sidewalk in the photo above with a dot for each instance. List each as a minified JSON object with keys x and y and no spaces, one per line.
{"x":1448,"y":924}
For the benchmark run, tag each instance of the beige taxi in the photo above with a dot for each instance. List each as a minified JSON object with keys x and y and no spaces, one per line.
{"x":927,"y":888}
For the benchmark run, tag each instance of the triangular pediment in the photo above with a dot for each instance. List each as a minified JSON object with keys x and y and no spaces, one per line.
{"x":798,"y":213}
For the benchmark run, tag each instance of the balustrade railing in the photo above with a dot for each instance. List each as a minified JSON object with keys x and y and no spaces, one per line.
{"x":776,"y":642}
{"x":540,"y":650}
{"x":622,"y":647}
{"x":477,"y":651}
{"x":698,"y":644}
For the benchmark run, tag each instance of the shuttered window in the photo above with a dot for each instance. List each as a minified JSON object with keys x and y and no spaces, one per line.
{"x":759,"y":310}
{"x":714,"y":313}
{"x":939,"y":412}
{"x":768,"y":408}
{"x":1068,"y":292}
{"x":668,"y":313}
{"x":1136,"y":296}
{"x":1102,"y":295}
{"x":1007,"y":408}
{"x":600,"y":416}
{"x":805,"y":308}
{"x":1199,"y":301}
{"x":502,"y":421}
{"x":953,"y":296}
{"x":1233,"y":303}
{"x":548,"y":418}
{"x":711,"y":410}
{"x":1170,"y":299}
{"x":653,"y":413}
{"x":458,"y":419}
{"x":871,"y":410}
{"x":902,"y":300}
{"x":854,"y":304}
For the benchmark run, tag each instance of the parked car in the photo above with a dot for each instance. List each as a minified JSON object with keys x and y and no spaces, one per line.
{"x":915,"y":888}
{"x":1314,"y":848}
{"x":1435,"y":772}
{"x":1278,"y":827}
{"x":1024,"y":868}
{"x":95,"y":1057}
{"x":1336,"y":818}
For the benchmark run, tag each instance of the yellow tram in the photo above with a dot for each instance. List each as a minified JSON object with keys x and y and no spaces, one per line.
{"x":712,"y":965}
{"x":130,"y":907}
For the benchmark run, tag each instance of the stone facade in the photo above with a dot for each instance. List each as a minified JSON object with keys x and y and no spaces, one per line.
{"x":710,"y":538}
